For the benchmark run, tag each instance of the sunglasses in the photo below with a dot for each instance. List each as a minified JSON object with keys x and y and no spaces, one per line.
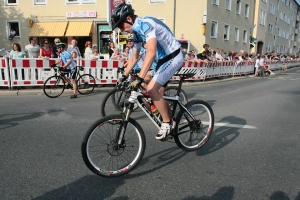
{"x":46,"y":43}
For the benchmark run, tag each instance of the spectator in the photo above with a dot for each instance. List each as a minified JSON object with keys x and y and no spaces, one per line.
{"x":95,"y":55}
{"x":257,"y":65}
{"x":54,"y":51}
{"x":46,"y":51}
{"x":206,"y":48}
{"x":219,"y":56}
{"x":125,"y":54}
{"x":267,"y":70}
{"x":88,"y":49}
{"x":17,"y":53}
{"x":12,"y":34}
{"x":74,"y":47}
{"x":191,"y":57}
{"x":111,"y":49}
{"x":74,"y":56}
{"x":32,"y":49}
{"x":202,"y":57}
{"x":116,"y":55}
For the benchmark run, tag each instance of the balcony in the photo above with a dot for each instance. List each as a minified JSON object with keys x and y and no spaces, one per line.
{"x":296,"y":31}
{"x":295,"y":43}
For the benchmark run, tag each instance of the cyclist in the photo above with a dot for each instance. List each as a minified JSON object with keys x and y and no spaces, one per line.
{"x":161,"y":46}
{"x":68,"y":65}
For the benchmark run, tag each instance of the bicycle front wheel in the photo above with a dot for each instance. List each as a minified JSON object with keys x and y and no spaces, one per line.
{"x":194,"y":126}
{"x":54,"y":86}
{"x":104,"y":156}
{"x":86,"y":84}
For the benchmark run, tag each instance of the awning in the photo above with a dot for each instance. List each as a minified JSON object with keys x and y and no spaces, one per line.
{"x":51,"y":29}
{"x":79,"y":29}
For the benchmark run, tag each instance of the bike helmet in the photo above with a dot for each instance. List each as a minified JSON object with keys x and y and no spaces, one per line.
{"x":120,"y":13}
{"x":61,"y":44}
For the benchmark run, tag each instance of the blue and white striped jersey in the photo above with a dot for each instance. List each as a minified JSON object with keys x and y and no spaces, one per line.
{"x":150,"y":27}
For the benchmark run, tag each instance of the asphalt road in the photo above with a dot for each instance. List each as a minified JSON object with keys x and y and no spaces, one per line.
{"x":254,"y":152}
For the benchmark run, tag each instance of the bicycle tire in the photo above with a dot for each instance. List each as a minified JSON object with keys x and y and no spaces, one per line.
{"x":113,"y":101}
{"x":192,"y":135}
{"x":54,"y":86}
{"x":172,"y":90}
{"x":86,"y":84}
{"x":126,"y":157}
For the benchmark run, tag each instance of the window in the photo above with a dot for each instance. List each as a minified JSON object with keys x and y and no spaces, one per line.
{"x":245,"y":36}
{"x":157,"y":1}
{"x":264,"y":1}
{"x":215,"y":2}
{"x":238,"y":7}
{"x":268,"y":47}
{"x":13,"y":25}
{"x":236,"y":34}
{"x":40,"y":2}
{"x":226,"y":32}
{"x":272,"y":9}
{"x":270,"y":28}
{"x":228,"y":4}
{"x":11,"y":2}
{"x":214,"y":29}
{"x":247,"y":10}
{"x":262,"y":17}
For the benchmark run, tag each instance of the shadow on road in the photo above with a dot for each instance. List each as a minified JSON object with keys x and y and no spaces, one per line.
{"x":224,"y":193}
{"x":222,"y":136}
{"x":8,"y":121}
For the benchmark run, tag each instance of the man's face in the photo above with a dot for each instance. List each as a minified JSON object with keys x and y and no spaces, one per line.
{"x":73,"y":42}
{"x":33,"y":41}
{"x":58,"y":49}
{"x":125,"y":26}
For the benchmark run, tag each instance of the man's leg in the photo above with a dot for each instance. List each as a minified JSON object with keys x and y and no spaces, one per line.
{"x":162,"y":106}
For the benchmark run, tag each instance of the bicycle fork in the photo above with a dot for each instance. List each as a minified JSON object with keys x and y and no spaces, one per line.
{"x":122,"y":127}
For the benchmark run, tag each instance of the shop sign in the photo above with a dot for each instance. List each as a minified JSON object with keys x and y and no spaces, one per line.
{"x":85,"y":14}
{"x":104,"y":35}
{"x":105,"y":28}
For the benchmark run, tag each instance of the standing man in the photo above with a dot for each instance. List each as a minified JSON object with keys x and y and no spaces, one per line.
{"x":161,"y":46}
{"x":69,"y":64}
{"x":55,"y":53}
{"x":32,"y":49}
{"x":74,"y":47}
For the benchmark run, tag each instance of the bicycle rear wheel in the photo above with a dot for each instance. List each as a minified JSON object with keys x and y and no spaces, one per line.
{"x":191,"y":134}
{"x":101,"y":152}
{"x":86,"y":84}
{"x":54,"y":86}
{"x":172,"y":90}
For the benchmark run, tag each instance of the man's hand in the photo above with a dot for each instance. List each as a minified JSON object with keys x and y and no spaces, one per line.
{"x":136,"y":83}
{"x":123,"y":78}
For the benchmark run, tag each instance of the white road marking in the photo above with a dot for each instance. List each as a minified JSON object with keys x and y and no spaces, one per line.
{"x":235,"y":125}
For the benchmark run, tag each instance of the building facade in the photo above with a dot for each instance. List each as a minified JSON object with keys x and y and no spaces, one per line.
{"x":220,"y":23}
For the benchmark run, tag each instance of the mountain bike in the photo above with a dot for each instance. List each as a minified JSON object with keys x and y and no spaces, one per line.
{"x":112,"y":102}
{"x":55,"y":85}
{"x":115,"y":144}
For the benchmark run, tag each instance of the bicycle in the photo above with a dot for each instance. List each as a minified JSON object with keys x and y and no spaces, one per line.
{"x":55,"y":85}
{"x":112,"y":102}
{"x":123,"y":141}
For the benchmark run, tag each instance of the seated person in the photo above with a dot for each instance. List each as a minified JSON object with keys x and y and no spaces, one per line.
{"x":267,"y":70}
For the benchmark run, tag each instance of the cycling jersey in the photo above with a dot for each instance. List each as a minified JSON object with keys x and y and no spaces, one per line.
{"x":149,"y":28}
{"x":65,"y":57}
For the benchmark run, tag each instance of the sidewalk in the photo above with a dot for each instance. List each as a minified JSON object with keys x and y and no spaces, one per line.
{"x":38,"y":90}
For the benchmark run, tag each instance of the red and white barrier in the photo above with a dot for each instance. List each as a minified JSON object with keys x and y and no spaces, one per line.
{"x":4,"y":72}
{"x":34,"y":71}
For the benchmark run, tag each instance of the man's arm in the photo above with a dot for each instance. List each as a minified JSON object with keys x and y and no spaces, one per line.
{"x":132,"y":61}
{"x":149,"y":58}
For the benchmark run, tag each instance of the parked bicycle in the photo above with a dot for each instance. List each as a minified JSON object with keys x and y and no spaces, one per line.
{"x":55,"y":85}
{"x":115,"y":144}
